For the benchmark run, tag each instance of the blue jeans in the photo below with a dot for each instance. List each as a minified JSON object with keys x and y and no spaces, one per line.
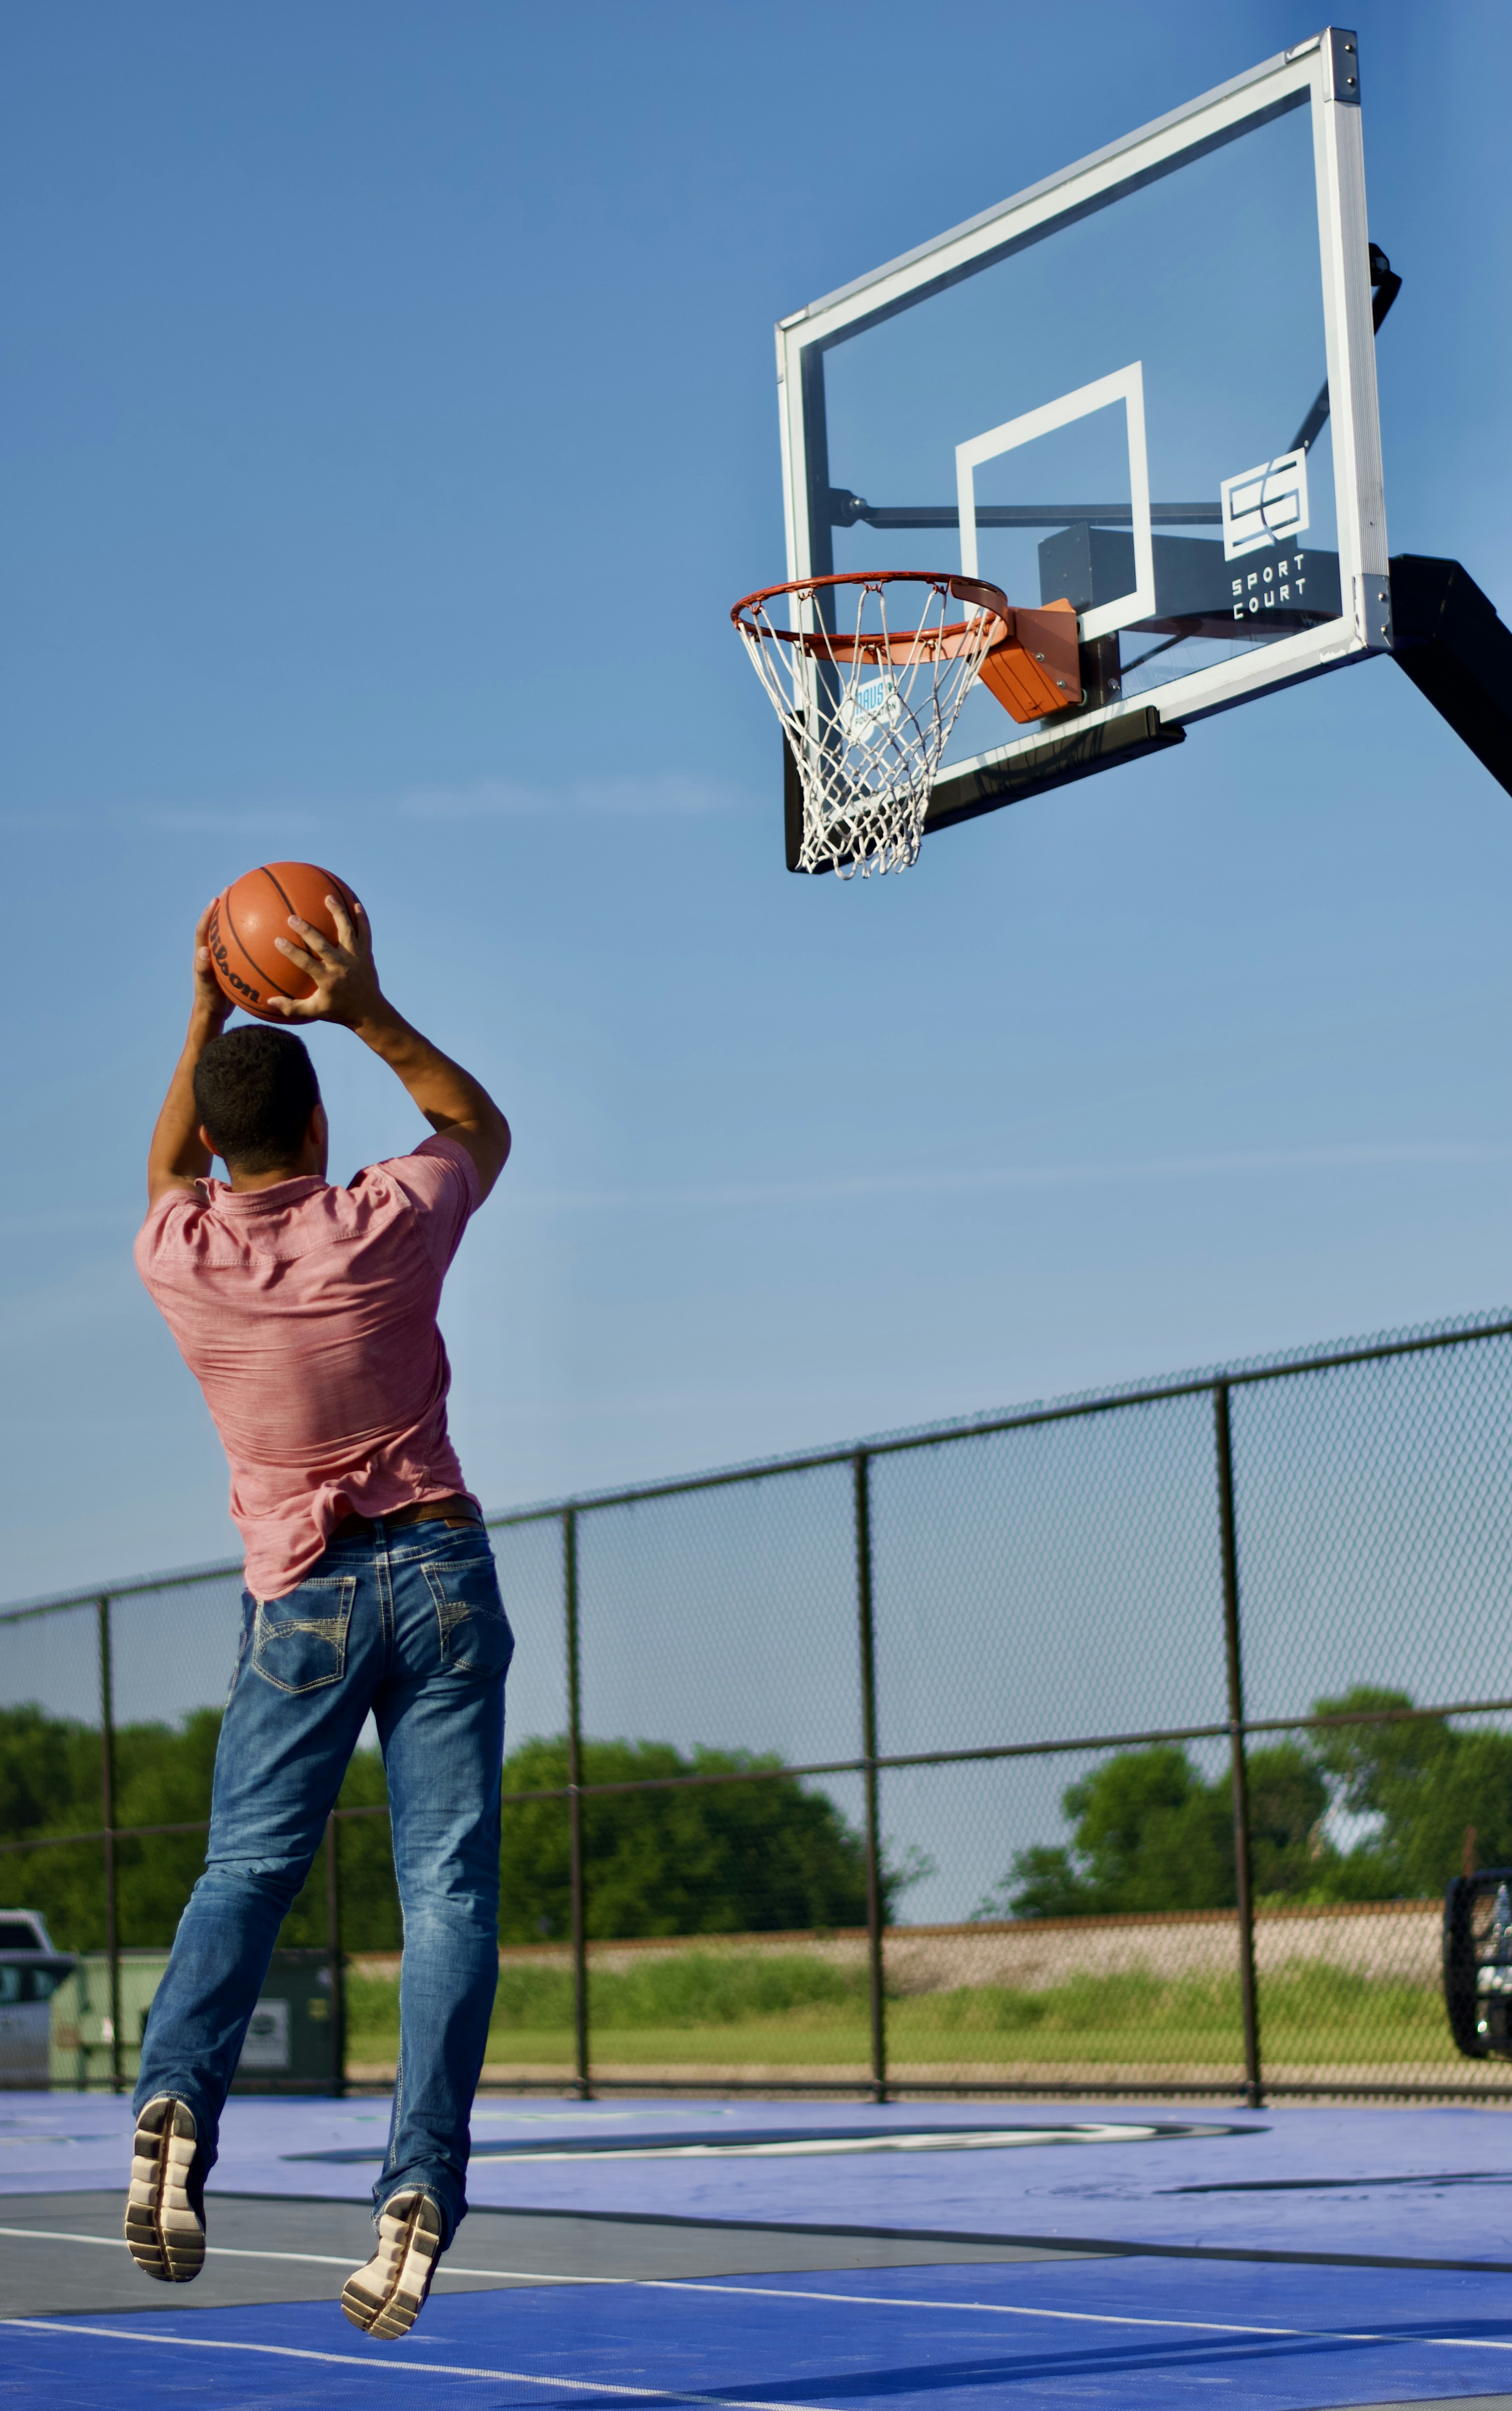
{"x":410,"y":1625}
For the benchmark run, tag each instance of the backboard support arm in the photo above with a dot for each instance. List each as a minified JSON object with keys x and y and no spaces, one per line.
{"x":1448,"y":639}
{"x":1458,"y":653}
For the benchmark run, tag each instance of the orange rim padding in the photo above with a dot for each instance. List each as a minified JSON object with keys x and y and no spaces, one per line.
{"x":1036,"y":668}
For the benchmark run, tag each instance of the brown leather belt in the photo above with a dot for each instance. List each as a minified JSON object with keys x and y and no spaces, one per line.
{"x":453,"y":1511}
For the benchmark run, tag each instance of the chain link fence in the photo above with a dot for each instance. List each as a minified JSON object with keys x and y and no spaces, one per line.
{"x":1122,"y":1744}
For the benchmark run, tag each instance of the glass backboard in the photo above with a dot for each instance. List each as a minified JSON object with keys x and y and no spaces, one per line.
{"x":1146,"y":386}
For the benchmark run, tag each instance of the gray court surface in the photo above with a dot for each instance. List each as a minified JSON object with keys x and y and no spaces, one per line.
{"x":63,"y":2251}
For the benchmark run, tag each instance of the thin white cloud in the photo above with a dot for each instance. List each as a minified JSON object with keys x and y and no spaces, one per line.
{"x":275,"y":820}
{"x":503,"y":798}
{"x":125,"y":1214}
{"x":1388,"y":1155}
{"x":673,"y":795}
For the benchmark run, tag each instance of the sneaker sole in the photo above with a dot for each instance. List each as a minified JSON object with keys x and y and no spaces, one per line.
{"x":165,"y":2235}
{"x":417,"y":2248}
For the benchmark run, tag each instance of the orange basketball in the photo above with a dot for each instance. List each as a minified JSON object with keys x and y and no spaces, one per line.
{"x":252,"y":911}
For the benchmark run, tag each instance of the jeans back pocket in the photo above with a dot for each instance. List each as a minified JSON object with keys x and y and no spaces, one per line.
{"x":299,"y":1641}
{"x":474,"y":1633}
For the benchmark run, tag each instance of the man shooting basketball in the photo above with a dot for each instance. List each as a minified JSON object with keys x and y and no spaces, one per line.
{"x":307,"y":1312}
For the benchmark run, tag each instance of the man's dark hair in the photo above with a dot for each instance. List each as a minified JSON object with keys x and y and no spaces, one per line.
{"x":254,"y":1091}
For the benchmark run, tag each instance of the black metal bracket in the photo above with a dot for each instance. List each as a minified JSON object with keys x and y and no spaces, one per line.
{"x":1341,"y":55}
{"x":792,"y":805}
{"x":1385,"y":287}
{"x":1055,"y":762}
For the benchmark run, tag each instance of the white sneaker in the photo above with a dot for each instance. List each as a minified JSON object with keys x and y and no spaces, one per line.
{"x":384,"y":2298}
{"x":166,"y":2206}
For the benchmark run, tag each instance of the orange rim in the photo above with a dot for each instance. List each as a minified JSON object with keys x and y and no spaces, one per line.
{"x":940,"y":643}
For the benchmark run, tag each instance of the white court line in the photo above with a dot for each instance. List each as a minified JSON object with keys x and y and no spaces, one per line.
{"x":215,"y":2252}
{"x":673,"y":2394}
{"x":942,"y":2138}
{"x":316,"y":2259}
{"x":520,"y":2276}
{"x":996,"y":2310}
{"x":781,"y":2294}
{"x":402,"y":2367}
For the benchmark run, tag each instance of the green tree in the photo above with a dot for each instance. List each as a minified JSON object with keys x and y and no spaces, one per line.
{"x":49,"y":1766}
{"x":162,"y":1777}
{"x":50,"y":1783}
{"x":1288,"y":1799}
{"x":715,"y":1859}
{"x":721,"y":1858}
{"x":1425,"y":1782}
{"x":1149,"y":1832}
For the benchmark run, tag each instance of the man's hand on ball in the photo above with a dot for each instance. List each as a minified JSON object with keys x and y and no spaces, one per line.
{"x":342,"y":969}
{"x":211,"y":1004}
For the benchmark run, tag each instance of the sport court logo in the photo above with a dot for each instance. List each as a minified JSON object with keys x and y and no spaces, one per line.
{"x":1267,"y":505}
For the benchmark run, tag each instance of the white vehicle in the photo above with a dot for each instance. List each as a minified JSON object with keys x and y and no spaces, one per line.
{"x":31,"y":1970}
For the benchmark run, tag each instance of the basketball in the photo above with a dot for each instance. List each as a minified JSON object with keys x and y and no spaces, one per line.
{"x":254,"y":910}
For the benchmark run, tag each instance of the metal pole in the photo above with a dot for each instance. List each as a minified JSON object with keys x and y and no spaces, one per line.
{"x":575,"y":1806}
{"x":112,"y":1940}
{"x":333,"y":1952}
{"x":868,"y":1744}
{"x":1248,"y":1992}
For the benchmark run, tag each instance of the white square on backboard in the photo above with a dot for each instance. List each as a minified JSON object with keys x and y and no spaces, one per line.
{"x":1126,"y":385}
{"x":1264,"y":506}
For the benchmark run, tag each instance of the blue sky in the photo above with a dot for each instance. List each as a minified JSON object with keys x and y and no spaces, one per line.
{"x":388,"y":423}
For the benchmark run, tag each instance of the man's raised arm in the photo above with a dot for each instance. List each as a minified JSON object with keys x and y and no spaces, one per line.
{"x":178,"y":1157}
{"x":347,"y":993}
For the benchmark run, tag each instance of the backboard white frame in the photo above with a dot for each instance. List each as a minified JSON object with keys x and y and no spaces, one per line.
{"x":1364,"y":624}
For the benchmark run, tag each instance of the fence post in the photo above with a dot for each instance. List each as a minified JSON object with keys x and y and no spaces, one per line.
{"x":868,"y":1745}
{"x":1248,"y":1994}
{"x":574,"y":1805}
{"x":333,"y":1952}
{"x":112,"y":1940}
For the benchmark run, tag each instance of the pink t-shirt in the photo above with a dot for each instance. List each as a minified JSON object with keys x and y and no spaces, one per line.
{"x":307,"y":1314}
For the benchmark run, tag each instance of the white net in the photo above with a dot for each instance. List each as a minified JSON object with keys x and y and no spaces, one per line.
{"x":867,"y":706}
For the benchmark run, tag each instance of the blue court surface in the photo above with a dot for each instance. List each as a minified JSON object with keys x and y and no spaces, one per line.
{"x":769,"y":2253}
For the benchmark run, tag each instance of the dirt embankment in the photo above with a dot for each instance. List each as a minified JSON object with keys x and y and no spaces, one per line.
{"x":1377,"y":1940}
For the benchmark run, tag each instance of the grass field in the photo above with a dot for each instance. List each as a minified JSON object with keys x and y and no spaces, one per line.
{"x":703,"y":2006}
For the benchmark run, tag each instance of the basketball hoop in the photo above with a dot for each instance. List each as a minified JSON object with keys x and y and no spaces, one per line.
{"x":867,"y":708}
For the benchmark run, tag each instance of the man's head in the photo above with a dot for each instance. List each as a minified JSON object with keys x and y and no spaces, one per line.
{"x":259,"y":1103}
